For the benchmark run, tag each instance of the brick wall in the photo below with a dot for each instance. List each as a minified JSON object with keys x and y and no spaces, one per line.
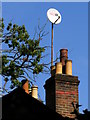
{"x":61,"y":91}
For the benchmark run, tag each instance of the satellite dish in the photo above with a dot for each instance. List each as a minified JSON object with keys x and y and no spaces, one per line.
{"x":54,"y":16}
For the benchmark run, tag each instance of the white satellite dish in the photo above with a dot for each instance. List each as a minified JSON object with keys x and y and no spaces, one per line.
{"x":54,"y":16}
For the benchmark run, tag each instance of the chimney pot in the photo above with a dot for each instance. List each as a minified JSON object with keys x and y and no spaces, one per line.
{"x":34,"y":91}
{"x":69,"y":67}
{"x":63,"y":58}
{"x":58,"y":68}
{"x":25,"y":86}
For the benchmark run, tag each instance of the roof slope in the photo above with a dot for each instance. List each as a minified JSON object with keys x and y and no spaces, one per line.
{"x":19,"y":105}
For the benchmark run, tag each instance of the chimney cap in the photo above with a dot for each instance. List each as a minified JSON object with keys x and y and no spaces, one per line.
{"x":58,"y":63}
{"x":64,"y":49}
{"x":34,"y":86}
{"x":68,"y":60}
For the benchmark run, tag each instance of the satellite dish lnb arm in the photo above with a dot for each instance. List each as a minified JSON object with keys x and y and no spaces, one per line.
{"x":57,"y":19}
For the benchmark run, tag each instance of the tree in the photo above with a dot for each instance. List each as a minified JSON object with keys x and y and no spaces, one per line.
{"x":21,"y":54}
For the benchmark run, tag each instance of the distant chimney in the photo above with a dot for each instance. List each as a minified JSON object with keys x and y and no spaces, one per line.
{"x":68,"y":69}
{"x":63,"y":58}
{"x":25,"y":86}
{"x":34,"y":91}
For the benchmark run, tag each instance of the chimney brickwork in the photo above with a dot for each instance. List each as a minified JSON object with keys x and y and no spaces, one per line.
{"x":50,"y":93}
{"x":61,"y":91}
{"x":66,"y":93}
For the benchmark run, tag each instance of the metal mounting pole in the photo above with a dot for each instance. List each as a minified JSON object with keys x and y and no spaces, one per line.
{"x":52,"y":47}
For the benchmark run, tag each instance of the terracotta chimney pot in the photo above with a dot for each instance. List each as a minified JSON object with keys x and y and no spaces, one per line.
{"x":25,"y":86}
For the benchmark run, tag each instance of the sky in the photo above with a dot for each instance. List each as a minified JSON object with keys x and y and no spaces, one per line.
{"x":45,"y":0}
{"x":88,"y":55}
{"x":71,"y":33}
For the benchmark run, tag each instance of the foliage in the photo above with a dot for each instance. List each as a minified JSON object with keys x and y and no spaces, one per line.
{"x":21,"y":54}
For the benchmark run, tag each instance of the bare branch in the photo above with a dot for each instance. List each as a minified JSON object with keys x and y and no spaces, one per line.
{"x":17,"y":58}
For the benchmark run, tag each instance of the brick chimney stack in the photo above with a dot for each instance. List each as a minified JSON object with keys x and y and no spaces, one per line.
{"x":62,"y":87}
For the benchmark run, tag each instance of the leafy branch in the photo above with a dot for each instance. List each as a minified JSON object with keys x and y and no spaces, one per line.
{"x":21,"y":55}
